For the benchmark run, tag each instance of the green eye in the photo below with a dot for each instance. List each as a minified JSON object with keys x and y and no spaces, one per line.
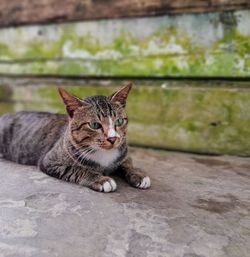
{"x":119,"y":122}
{"x":95,"y":125}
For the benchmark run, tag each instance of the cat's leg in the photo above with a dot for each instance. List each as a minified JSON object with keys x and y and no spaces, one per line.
{"x":80,"y":175}
{"x":134,"y":176}
{"x":88,"y":178}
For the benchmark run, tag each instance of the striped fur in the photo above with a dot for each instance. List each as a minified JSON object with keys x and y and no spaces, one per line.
{"x":70,"y":148}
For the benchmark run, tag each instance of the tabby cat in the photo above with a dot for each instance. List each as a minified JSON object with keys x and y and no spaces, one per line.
{"x":84,"y":147}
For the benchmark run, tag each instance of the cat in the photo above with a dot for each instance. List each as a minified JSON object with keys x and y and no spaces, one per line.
{"x":84,"y":146}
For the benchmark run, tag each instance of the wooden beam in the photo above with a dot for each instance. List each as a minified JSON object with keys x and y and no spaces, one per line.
{"x":16,"y":12}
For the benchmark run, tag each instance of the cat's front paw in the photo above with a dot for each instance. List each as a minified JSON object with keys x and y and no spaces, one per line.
{"x":139,"y":181}
{"x":145,"y":183}
{"x":104,"y":184}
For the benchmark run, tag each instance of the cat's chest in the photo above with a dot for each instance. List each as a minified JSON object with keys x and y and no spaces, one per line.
{"x":105,"y":158}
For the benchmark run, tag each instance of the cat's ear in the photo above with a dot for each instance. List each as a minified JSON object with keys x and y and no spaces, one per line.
{"x":121,"y":95}
{"x":71,"y":102}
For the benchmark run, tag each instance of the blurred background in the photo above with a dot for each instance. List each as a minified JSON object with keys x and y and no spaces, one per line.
{"x":189,"y":62}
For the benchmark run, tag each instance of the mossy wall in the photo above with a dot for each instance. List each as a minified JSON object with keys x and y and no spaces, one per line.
{"x":201,"y":117}
{"x":205,"y":116}
{"x":211,"y":44}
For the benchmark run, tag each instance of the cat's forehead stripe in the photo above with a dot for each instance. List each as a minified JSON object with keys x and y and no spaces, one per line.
{"x":101,"y":106}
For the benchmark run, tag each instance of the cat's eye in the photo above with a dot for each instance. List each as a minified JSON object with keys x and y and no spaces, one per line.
{"x":119,"y":122}
{"x":95,"y":125}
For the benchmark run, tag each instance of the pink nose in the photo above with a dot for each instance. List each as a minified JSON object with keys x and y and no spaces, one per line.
{"x":111,"y":140}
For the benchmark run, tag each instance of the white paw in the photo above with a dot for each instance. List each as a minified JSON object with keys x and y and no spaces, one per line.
{"x":109,"y":186}
{"x":145,"y":183}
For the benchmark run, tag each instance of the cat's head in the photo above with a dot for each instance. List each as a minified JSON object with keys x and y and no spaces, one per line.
{"x":99,"y":122}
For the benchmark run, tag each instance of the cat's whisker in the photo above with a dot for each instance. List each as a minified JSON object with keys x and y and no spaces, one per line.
{"x":77,"y":150}
{"x":78,"y":147}
{"x":85,"y":152}
{"x":84,"y":155}
{"x":84,"y":158}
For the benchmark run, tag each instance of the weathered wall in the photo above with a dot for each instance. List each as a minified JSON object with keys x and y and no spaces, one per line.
{"x":211,"y":44}
{"x":205,"y":116}
{"x":200,"y":117}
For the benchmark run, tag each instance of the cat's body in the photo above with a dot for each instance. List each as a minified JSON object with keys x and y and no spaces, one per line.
{"x":83,"y":148}
{"x":28,"y":136}
{"x":25,"y":137}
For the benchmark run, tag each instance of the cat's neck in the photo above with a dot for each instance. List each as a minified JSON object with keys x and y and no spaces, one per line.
{"x":102,"y":158}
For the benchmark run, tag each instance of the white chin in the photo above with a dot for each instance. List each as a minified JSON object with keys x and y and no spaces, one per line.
{"x":105,"y":157}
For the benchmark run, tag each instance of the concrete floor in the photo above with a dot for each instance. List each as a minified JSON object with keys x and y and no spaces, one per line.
{"x":198,"y":206}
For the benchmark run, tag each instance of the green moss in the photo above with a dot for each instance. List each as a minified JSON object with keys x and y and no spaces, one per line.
{"x":5,"y":93}
{"x":6,"y":107}
{"x":4,"y":51}
{"x":129,"y":53}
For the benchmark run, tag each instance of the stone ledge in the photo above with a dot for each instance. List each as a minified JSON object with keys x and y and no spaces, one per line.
{"x":192,"y":116}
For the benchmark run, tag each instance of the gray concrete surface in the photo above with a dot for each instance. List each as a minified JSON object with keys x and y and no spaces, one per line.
{"x":198,"y":206}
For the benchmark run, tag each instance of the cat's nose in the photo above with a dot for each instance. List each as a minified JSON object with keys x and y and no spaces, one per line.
{"x":111,"y":140}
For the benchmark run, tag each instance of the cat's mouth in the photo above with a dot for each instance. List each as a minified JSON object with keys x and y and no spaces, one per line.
{"x":106,"y":147}
{"x":110,"y":143}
